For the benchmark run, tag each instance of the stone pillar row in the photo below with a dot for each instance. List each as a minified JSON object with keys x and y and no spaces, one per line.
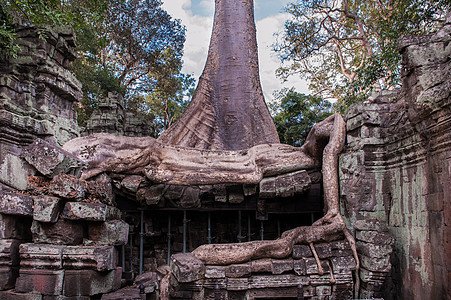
{"x":58,"y":240}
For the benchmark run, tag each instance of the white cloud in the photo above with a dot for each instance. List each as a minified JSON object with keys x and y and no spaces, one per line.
{"x":268,"y":61}
{"x":198,"y":39}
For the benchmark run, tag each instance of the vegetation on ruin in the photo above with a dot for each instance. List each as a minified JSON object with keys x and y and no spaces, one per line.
{"x":113,"y":56}
{"x":348,"y":48}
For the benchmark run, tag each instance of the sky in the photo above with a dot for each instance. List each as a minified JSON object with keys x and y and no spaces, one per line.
{"x":197,"y":16}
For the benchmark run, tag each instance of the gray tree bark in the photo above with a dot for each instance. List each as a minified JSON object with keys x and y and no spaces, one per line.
{"x":228,"y":111}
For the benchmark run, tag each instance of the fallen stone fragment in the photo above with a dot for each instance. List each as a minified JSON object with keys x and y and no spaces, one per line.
{"x":16,"y":204}
{"x":114,"y":233}
{"x":46,"y":208}
{"x":51,"y":160}
{"x":186,"y":267}
{"x":149,"y":280}
{"x":68,"y":186}
{"x":62,"y":232}
{"x":90,"y":211}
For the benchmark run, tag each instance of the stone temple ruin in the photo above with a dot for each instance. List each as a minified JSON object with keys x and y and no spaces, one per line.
{"x":215,"y":208}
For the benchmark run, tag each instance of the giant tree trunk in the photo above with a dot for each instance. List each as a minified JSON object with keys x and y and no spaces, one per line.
{"x":228,"y":111}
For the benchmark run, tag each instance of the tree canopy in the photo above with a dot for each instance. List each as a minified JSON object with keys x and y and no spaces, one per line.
{"x":124,"y":46}
{"x":295,"y":114}
{"x":346,"y":48}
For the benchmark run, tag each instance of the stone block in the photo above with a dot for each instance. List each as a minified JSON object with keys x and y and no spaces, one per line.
{"x":12,"y":295}
{"x":323,"y":250}
{"x":151,"y":195}
{"x":68,"y":186}
{"x":373,"y":250}
{"x":50,"y":159}
{"x":311,"y":266}
{"x":323,"y":290}
{"x":375,"y":264}
{"x":237,"y":284}
{"x":280,"y":266}
{"x":41,"y":256}
{"x":215,"y":271}
{"x":45,"y":282}
{"x":174,"y":192}
{"x":46,"y":208}
{"x":90,"y":211}
{"x":90,"y":282}
{"x":100,"y":258}
{"x":113,"y":233}
{"x":8,"y":276}
{"x":131,"y":183}
{"x":9,"y":252}
{"x":375,"y":237}
{"x":190,"y":198}
{"x":249,"y":189}
{"x":149,"y":280}
{"x":300,"y":251}
{"x":238,"y":270}
{"x":276,"y":281}
{"x":101,"y":190}
{"x":267,"y":187}
{"x":15,"y":204}
{"x":15,"y":227}
{"x":367,"y":276}
{"x":342,"y":291}
{"x":186,"y":267}
{"x":370,"y":225}
{"x":14,"y":171}
{"x":343,"y":264}
{"x":63,"y":232}
{"x":299,"y":267}
{"x":261,"y":265}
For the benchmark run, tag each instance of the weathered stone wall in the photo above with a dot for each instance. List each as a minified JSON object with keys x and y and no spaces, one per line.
{"x":60,"y":240}
{"x":38,"y":97}
{"x":397,"y":170}
{"x":111,"y":117}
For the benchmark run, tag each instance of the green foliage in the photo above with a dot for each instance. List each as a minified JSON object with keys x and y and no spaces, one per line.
{"x":7,"y":36}
{"x":294,"y":114}
{"x":132,"y":47}
{"x":348,"y":48}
